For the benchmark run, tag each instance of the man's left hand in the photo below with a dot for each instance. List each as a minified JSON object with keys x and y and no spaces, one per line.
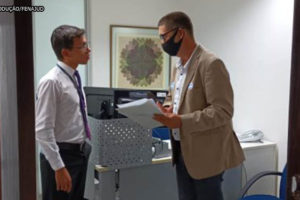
{"x":168,"y":119}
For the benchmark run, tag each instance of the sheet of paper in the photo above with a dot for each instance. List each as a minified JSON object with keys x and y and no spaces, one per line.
{"x":141,"y":111}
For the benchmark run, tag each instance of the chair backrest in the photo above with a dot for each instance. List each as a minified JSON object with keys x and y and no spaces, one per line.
{"x":282,"y":192}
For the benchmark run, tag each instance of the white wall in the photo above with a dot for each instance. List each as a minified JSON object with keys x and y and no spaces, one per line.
{"x":71,"y":12}
{"x":253,"y":37}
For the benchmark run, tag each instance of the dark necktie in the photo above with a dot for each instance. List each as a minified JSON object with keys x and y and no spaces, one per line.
{"x":82,"y":105}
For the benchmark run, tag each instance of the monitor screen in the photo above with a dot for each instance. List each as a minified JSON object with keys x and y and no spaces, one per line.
{"x":101,"y":102}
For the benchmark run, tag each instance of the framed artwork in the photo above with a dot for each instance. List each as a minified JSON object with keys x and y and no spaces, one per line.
{"x":137,"y":59}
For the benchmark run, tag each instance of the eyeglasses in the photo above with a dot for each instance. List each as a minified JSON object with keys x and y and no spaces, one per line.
{"x":84,"y":46}
{"x":162,"y":36}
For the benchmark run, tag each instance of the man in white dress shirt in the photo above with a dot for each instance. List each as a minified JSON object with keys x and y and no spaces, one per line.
{"x":61,"y":121}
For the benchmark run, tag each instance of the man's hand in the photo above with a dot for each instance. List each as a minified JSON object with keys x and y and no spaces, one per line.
{"x":163,"y":109}
{"x":168,"y":119}
{"x":63,"y":180}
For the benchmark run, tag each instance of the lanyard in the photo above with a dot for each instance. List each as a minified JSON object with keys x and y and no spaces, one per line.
{"x":73,"y":81}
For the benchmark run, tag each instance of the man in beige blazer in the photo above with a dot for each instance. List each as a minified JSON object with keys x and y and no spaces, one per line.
{"x":199,"y":110}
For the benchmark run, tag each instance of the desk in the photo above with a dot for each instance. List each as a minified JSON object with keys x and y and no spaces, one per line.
{"x":158,"y":180}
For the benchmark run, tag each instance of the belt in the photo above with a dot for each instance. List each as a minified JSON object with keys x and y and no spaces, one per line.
{"x":70,"y":146}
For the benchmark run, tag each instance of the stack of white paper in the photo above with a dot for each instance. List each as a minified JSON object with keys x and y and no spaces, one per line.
{"x":141,"y":111}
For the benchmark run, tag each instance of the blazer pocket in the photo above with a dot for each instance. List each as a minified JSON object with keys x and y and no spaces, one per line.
{"x":214,"y":131}
{"x":201,"y":133}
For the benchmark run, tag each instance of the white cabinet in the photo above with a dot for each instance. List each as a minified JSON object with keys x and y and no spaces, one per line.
{"x":260,"y":157}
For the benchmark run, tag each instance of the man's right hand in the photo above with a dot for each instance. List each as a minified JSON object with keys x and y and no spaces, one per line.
{"x":63,"y":180}
{"x":165,"y":109}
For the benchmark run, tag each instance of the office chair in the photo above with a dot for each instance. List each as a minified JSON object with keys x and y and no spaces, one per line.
{"x":265,"y":196}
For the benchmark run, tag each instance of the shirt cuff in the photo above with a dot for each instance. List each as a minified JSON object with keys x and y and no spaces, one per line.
{"x":56,"y":163}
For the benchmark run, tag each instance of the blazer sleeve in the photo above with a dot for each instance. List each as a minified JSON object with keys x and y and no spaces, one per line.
{"x":219,"y":98}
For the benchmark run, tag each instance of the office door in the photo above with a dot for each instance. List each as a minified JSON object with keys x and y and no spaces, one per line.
{"x":293,"y":164}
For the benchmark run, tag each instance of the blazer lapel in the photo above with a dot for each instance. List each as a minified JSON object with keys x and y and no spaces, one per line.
{"x":190,"y":73}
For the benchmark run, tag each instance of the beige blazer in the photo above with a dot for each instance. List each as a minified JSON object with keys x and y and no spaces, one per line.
{"x":208,"y":143}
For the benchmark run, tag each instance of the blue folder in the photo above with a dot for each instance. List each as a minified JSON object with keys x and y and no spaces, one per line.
{"x":161,"y":132}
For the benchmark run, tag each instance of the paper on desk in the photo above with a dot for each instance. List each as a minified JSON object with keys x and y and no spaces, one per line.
{"x":141,"y":111}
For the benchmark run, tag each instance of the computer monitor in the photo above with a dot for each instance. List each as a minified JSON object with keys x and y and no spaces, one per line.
{"x":102,"y":102}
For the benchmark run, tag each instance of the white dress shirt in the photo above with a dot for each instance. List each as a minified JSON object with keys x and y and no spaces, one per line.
{"x":58,"y":116}
{"x":181,"y":74}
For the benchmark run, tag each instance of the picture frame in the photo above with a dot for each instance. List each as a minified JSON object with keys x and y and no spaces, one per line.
{"x":137,"y":60}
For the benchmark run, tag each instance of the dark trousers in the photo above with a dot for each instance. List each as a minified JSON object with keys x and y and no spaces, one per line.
{"x":76,"y":163}
{"x":193,"y":189}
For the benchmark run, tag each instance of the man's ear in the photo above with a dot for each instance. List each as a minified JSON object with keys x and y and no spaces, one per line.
{"x":182,"y":33}
{"x":65,"y":53}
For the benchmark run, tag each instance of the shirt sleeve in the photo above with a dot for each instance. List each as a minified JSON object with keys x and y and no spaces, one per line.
{"x":219,"y":96}
{"x":46,"y":106}
{"x":168,"y":100}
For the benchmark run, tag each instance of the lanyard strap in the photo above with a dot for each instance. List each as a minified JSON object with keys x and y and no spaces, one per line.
{"x":70,"y":77}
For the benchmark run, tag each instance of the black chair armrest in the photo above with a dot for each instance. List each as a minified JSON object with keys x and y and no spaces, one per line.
{"x":256,"y":178}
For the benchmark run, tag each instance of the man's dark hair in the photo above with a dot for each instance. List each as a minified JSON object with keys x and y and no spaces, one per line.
{"x":177,"y":19}
{"x":62,"y":38}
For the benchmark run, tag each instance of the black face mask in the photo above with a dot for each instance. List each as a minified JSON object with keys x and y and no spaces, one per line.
{"x":170,"y":47}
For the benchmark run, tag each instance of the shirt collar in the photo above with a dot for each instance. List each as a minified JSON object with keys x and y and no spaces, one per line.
{"x":179,"y":62}
{"x":67,"y":68}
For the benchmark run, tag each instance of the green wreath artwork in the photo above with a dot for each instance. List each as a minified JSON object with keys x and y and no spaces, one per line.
{"x":141,"y":61}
